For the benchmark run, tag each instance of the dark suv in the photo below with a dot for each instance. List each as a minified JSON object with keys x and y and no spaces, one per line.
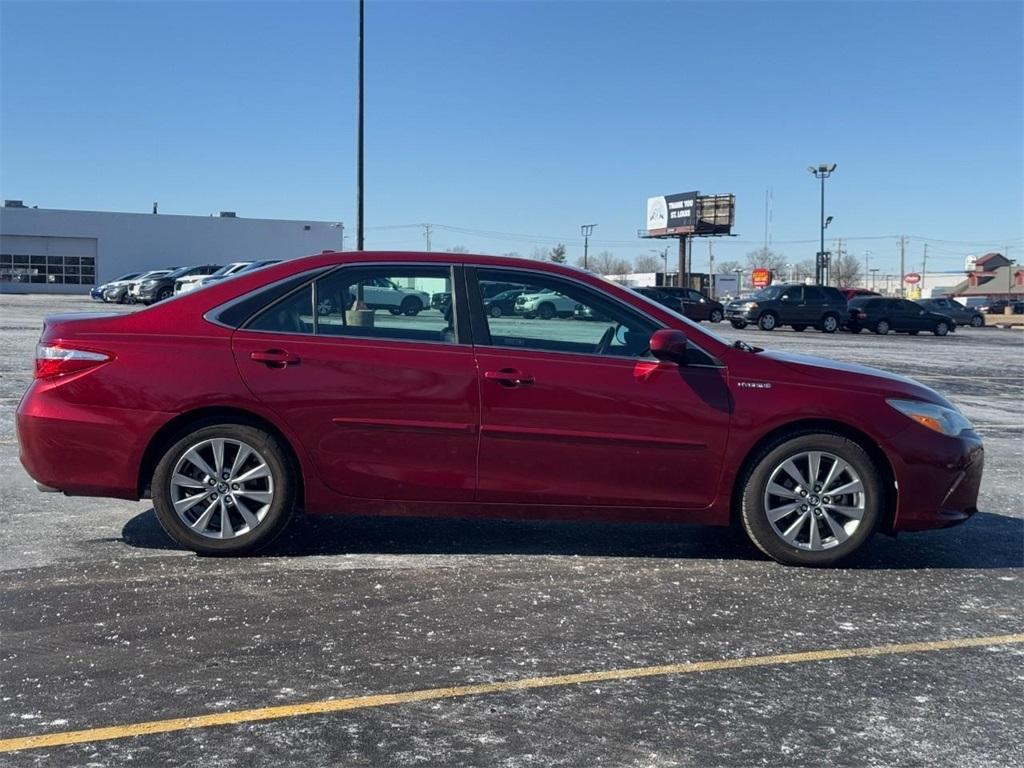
{"x":159,"y":288}
{"x":952,"y":308}
{"x":693,"y":304}
{"x":798,"y":306}
{"x":882,"y":315}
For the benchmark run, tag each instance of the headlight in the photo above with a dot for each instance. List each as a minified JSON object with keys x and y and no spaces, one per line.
{"x":946,"y":421}
{"x":749,"y":305}
{"x":148,"y":283}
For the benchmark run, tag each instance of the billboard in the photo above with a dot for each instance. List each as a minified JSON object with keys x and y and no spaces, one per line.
{"x":690,"y":213}
{"x":672,"y":214}
{"x":761,"y":277}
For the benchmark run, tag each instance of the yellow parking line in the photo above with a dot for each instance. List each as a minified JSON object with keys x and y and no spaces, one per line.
{"x":63,"y":738}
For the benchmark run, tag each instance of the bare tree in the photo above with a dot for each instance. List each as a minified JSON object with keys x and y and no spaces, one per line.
{"x":803,"y":270}
{"x":846,"y":269}
{"x":512,"y":255}
{"x":457,"y":249}
{"x":728,"y":267}
{"x":539,"y":254}
{"x":766,"y":257}
{"x":607,"y":263}
{"x":558,"y":254}
{"x":646,"y":262}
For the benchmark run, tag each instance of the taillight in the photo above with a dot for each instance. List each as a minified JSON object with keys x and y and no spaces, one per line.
{"x":862,"y":315}
{"x":54,"y":361}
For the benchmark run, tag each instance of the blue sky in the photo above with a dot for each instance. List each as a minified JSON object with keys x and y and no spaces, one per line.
{"x":530,"y":118}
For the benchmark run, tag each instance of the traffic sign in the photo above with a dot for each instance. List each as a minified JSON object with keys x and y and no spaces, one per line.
{"x":912,"y":278}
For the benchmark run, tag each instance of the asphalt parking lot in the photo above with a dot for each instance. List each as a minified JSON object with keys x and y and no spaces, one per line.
{"x":105,"y":624}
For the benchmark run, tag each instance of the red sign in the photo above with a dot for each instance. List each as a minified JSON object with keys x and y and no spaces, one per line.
{"x":912,"y":278}
{"x":761,"y":277}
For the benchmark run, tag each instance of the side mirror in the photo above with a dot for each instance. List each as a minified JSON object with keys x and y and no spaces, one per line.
{"x":669,"y":345}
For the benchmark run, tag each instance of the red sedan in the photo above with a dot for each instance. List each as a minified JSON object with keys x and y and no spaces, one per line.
{"x":234,"y":406}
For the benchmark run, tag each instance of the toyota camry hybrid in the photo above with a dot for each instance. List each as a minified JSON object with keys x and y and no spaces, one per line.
{"x":283,"y":390}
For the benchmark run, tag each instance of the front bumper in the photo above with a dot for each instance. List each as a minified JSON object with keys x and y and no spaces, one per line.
{"x":938,"y":478}
{"x":746,"y":314}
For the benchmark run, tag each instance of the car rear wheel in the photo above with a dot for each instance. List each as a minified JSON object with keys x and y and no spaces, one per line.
{"x":225,"y":489}
{"x":495,"y":311}
{"x":411,"y":306}
{"x":546,"y":311}
{"x":829,"y":324}
{"x":941,"y":328}
{"x":767,"y":321}
{"x":811,"y":499}
{"x":715,"y":316}
{"x":882,"y":327}
{"x":977,"y":321}
{"x":165,"y":293}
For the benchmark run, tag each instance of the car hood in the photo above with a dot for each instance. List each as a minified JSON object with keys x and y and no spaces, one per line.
{"x":847,"y":375}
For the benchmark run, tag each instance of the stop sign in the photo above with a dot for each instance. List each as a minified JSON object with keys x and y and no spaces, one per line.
{"x":761,"y":277}
{"x":912,"y":278}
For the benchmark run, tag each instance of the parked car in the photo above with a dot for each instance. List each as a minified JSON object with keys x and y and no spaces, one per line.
{"x":545,"y":305}
{"x":247,"y":266}
{"x":883,"y":315}
{"x":852,"y":293}
{"x":503,"y":303}
{"x":998,"y":307}
{"x":120,"y":292}
{"x":96,"y":294}
{"x":157,"y":288}
{"x":795,"y":305}
{"x":693,"y":304}
{"x":191,"y":282}
{"x":384,"y":293}
{"x":650,"y":419}
{"x":952,"y":308}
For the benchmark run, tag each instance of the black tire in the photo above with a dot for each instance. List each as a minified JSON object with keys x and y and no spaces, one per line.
{"x":799,"y":327}
{"x":829,"y":324}
{"x":165,"y":293}
{"x":941,"y":328}
{"x":411,"y":306}
{"x":754,"y":484}
{"x":715,"y":316}
{"x":495,"y":311}
{"x":882,"y":327}
{"x":274,"y":521}
{"x":977,"y":321}
{"x":767,"y":321}
{"x":738,"y":324}
{"x":395,"y":312}
{"x":546,"y":311}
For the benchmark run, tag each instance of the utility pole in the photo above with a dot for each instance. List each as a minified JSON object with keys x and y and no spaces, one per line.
{"x":586,"y":230}
{"x":427,"y":230}
{"x":924,"y":266}
{"x":683,"y":276}
{"x":874,"y":277}
{"x":903,"y":266}
{"x":359,"y":142}
{"x":711,"y":261}
{"x":867,"y":257}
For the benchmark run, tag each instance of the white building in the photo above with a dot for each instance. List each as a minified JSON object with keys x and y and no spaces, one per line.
{"x":57,"y":251}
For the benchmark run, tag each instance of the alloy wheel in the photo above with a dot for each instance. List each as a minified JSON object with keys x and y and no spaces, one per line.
{"x":814,"y":500}
{"x":221,"y":488}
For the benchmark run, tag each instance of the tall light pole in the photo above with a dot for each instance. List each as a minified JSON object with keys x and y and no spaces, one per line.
{"x":874,"y":275}
{"x":821,"y":172}
{"x":359,"y":139}
{"x":586,"y":230}
{"x":664,"y":255}
{"x":739,"y":280}
{"x":867,"y":258}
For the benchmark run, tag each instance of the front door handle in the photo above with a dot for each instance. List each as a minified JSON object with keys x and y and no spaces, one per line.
{"x":509,"y":377}
{"x":274,"y":358}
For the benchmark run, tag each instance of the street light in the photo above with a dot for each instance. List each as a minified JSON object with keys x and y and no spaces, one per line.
{"x":739,"y":280}
{"x":663,"y":253}
{"x":586,"y":230}
{"x":874,"y":274}
{"x":821,"y":172}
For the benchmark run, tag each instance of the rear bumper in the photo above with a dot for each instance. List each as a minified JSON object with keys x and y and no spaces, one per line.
{"x":81,"y":451}
{"x":938,"y":477}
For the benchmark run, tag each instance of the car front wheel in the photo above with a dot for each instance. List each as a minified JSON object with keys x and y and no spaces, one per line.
{"x":941,"y":328}
{"x":811,"y":499}
{"x":411,"y":306}
{"x":225,"y":489}
{"x":715,"y":316}
{"x":495,"y":311}
{"x":882,"y":327}
{"x":767,"y":321}
{"x":977,"y":321}
{"x":830,"y":324}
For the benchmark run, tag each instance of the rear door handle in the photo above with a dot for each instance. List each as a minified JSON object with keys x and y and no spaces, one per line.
{"x":274,"y":358}
{"x":509,"y":377}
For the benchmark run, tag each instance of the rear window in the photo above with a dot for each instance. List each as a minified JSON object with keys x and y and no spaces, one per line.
{"x":861,"y":302}
{"x":833,"y":294}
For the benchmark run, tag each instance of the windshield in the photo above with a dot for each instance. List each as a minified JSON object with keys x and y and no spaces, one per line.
{"x":179,"y":272}
{"x":227,"y":269}
{"x":771,"y":292}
